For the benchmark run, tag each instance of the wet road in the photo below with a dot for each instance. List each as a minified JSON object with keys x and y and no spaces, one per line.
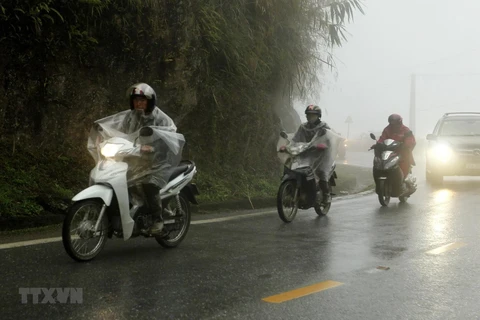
{"x":236,"y":268}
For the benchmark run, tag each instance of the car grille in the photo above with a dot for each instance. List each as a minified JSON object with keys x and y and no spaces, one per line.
{"x":468,"y":155}
{"x":469,"y":152}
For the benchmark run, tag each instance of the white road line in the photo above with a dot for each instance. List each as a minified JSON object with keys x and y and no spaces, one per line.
{"x":56,"y":239}
{"x":243,"y":216}
{"x":29,"y":243}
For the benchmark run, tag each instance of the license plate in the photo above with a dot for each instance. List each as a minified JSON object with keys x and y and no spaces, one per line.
{"x":473,"y":165}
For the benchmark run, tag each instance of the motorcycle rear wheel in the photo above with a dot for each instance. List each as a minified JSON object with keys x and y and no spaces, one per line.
{"x":78,"y":226}
{"x":287,"y":200}
{"x":182,"y":218}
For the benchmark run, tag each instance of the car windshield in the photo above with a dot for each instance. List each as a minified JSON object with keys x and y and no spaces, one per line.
{"x":460,"y":128}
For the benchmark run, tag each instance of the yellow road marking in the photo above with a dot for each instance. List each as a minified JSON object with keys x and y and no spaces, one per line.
{"x":301,"y":292}
{"x":447,"y":247}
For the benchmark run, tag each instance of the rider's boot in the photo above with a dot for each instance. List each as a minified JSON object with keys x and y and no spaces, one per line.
{"x":157,"y":226}
{"x":410,"y":185}
{"x":155,"y":207}
{"x":319,"y":197}
{"x":327,"y":197}
{"x":410,"y":181}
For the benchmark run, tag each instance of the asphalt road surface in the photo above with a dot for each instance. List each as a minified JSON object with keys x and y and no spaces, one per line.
{"x":417,"y":260}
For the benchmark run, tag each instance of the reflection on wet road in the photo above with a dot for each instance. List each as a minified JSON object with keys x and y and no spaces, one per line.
{"x":416,"y":260}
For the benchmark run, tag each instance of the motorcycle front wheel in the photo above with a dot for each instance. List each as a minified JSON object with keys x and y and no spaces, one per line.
{"x":79,"y":238}
{"x":287,"y":200}
{"x":384,"y":191}
{"x":177,"y":231}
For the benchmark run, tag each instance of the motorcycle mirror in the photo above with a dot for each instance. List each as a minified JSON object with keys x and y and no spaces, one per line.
{"x":97,"y":127}
{"x":284,"y":135}
{"x":373,"y":136}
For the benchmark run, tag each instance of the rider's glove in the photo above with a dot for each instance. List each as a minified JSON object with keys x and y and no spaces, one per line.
{"x":147,"y":149}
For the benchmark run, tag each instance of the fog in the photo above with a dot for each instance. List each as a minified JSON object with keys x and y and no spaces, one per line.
{"x":435,"y":39}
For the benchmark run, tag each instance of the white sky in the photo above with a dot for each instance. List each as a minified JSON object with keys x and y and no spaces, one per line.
{"x":390,"y":42}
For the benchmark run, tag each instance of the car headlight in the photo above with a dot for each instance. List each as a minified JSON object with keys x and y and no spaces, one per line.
{"x":111,"y":149}
{"x":441,"y":152}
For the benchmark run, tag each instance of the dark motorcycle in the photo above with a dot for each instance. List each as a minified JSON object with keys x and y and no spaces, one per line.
{"x":389,"y":180}
{"x":298,"y":189}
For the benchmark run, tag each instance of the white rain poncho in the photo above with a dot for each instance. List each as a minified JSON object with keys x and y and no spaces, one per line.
{"x":320,"y":161}
{"x":155,"y":167}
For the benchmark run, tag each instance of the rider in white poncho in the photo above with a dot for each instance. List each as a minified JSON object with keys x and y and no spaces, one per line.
{"x":157,"y":142}
{"x":320,"y":133}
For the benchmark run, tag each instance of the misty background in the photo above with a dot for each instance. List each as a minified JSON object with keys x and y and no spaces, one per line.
{"x":435,"y":39}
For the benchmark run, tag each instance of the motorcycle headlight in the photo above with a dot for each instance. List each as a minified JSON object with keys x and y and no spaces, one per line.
{"x":296,"y":150}
{"x":110,"y":149}
{"x":441,"y":152}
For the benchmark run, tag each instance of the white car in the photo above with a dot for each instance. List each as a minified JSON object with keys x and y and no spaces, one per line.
{"x":454,"y":147}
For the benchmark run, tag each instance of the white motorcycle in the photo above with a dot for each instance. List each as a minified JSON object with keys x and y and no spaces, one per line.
{"x":109,"y":207}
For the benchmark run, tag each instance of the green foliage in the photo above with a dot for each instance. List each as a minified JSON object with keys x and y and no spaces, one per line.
{"x":252,"y":52}
{"x":219,"y":68}
{"x":33,"y":181}
{"x":238,"y":186}
{"x":15,"y":203}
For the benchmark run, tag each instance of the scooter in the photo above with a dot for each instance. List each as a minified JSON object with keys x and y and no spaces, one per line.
{"x":389,"y":179}
{"x":108,"y":207}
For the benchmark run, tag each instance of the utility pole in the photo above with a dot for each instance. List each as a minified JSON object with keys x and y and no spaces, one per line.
{"x":413,"y":110}
{"x":348,"y":121}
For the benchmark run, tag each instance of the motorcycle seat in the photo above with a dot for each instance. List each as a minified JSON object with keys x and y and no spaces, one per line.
{"x":184,"y":167}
